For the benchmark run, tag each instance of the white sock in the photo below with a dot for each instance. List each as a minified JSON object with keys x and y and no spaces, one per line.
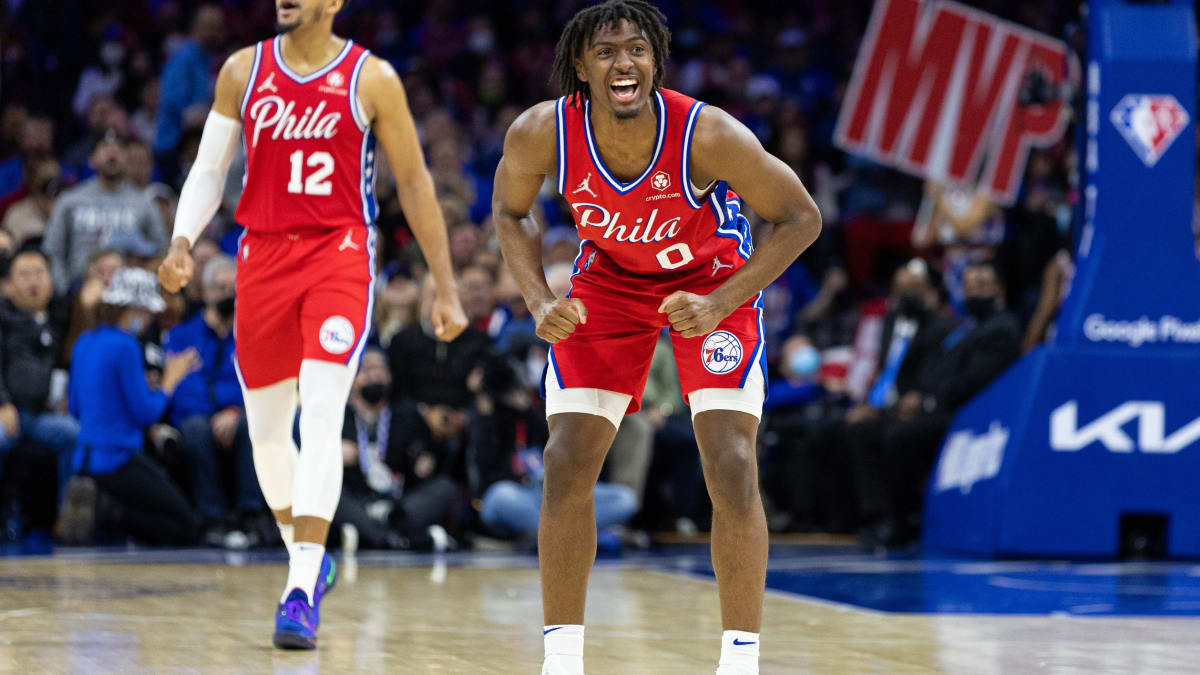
{"x":288,"y":533}
{"x":564,"y":649}
{"x":304,"y":568}
{"x":739,"y":653}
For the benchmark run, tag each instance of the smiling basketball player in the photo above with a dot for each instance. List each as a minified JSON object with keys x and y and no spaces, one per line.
{"x":650,"y":176}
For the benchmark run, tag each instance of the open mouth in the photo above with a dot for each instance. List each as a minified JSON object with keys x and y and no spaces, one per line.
{"x":288,"y":6}
{"x":624,"y":89}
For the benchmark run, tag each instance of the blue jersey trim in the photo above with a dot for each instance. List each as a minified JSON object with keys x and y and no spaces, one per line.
{"x":253,"y":77}
{"x":356,"y":111}
{"x":599,"y":162}
{"x":731,"y":223}
{"x":684,"y":171}
{"x":758,"y":349}
{"x":560,"y":136}
{"x":366,"y":178}
{"x":356,"y":354}
{"x":305,"y":79}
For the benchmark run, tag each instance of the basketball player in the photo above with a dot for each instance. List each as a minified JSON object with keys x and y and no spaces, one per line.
{"x":307,"y":106}
{"x":650,"y":176}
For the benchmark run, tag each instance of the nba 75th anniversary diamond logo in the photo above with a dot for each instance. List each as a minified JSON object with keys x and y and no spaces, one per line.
{"x":1150,"y":123}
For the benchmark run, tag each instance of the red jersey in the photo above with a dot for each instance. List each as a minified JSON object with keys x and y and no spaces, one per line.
{"x":659,"y":222}
{"x":310,"y":153}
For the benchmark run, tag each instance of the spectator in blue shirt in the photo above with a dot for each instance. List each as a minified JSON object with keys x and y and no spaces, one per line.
{"x":207,"y":406}
{"x":109,"y":396}
{"x":187,"y":80}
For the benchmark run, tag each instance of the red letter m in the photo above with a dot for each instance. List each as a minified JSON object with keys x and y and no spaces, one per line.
{"x":935,"y":93}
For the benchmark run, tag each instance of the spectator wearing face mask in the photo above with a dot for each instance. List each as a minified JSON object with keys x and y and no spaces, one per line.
{"x":117,"y":487}
{"x":394,"y":489}
{"x":26,"y":219}
{"x":894,"y":450}
{"x":208,"y":411}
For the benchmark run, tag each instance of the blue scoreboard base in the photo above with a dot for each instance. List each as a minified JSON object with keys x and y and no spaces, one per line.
{"x":1048,"y":459}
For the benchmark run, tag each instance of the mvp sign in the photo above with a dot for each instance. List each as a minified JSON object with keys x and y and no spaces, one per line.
{"x":937,"y":92}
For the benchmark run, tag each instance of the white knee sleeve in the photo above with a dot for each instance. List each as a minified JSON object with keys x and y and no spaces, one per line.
{"x":324,"y":388}
{"x":270,"y":412}
{"x":610,"y":405}
{"x":749,"y":399}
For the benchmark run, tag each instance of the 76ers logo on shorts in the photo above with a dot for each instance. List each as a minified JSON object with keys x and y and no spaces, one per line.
{"x":722,"y":352}
{"x":337,"y":335}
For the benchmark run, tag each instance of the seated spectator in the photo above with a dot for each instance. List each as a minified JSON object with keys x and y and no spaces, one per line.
{"x":102,"y":264}
{"x":504,"y":446}
{"x":27,"y":218}
{"x":513,"y":507}
{"x":119,"y":488}
{"x":387,"y":507}
{"x":894,"y":451}
{"x":33,"y":324}
{"x":397,"y":308}
{"x":207,"y":410}
{"x":427,"y":370}
{"x":511,"y":324}
{"x":89,"y":215}
{"x":475,"y":286}
{"x":674,"y":492}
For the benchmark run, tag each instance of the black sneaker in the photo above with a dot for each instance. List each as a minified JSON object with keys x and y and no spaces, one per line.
{"x":77,"y":517}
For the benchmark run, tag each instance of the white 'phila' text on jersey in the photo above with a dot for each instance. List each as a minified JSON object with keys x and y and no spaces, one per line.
{"x":271,"y":111}
{"x":644,"y":230}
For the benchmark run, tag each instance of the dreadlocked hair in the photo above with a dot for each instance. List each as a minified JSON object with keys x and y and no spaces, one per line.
{"x":583,"y":26}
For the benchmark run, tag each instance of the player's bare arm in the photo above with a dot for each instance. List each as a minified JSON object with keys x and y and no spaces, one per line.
{"x":386,"y":105}
{"x":724,"y":149}
{"x":529,"y":156}
{"x":177,"y":268}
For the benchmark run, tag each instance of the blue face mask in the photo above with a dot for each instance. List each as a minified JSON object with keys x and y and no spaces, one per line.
{"x":804,"y":362}
{"x":136,"y":325}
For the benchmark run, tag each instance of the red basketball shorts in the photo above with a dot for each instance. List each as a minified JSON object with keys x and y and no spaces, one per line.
{"x":613,"y":350}
{"x":304,"y":294}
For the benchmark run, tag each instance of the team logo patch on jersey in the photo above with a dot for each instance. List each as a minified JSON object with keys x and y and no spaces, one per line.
{"x":660,"y":181}
{"x":721,"y":353}
{"x":335,"y":83}
{"x":1150,"y":123}
{"x":337,"y":335}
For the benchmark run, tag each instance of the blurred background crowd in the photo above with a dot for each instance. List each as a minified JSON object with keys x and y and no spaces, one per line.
{"x":913,"y":299}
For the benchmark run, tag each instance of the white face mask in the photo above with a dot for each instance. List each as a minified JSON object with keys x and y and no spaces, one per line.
{"x":112,"y":53}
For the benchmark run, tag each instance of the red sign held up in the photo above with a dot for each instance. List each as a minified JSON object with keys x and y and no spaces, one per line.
{"x":935,"y":93}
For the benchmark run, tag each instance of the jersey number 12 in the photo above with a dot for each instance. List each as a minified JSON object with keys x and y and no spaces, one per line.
{"x":317,"y":182}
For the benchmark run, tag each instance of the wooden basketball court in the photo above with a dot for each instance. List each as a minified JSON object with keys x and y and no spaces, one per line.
{"x":208,"y":611}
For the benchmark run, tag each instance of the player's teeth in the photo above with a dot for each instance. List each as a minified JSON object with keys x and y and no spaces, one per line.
{"x":624,"y":83}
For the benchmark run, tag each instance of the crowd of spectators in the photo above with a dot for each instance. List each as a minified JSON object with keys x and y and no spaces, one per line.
{"x":914,"y":297}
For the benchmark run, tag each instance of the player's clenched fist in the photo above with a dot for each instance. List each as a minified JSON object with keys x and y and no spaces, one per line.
{"x":556,"y":319}
{"x":177,"y":268}
{"x":692,"y":315}
{"x":449,"y":319}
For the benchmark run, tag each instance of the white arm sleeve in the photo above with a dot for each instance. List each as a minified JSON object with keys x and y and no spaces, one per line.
{"x":201,"y":194}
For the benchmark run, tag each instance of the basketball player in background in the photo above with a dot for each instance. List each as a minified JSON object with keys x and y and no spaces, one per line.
{"x":308,"y":107}
{"x":650,"y":176}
